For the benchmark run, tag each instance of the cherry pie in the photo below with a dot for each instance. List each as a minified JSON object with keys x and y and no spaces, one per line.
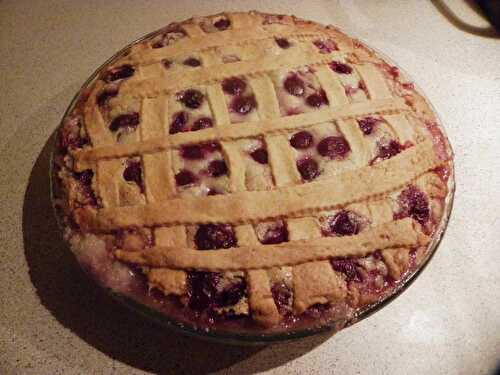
{"x":248,"y":172}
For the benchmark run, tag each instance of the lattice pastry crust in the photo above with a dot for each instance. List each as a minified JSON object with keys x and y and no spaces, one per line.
{"x":256,"y":172}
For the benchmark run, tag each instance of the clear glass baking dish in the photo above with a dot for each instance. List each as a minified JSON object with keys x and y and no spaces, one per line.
{"x":261,"y":338}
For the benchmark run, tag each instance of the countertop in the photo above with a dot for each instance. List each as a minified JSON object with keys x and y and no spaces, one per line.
{"x":54,"y":321}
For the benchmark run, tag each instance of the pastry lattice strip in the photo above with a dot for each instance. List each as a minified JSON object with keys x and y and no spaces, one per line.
{"x":253,"y":206}
{"x":400,"y":233}
{"x":86,"y":158}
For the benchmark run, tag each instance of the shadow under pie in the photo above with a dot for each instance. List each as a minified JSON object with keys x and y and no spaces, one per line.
{"x":89,"y":312}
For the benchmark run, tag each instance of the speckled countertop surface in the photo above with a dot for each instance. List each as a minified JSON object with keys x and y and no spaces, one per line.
{"x":54,"y":321}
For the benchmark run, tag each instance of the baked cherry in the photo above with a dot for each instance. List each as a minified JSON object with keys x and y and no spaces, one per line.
{"x":202,"y":123}
{"x":231,"y":294}
{"x":243,"y":104}
{"x":192,"y":152}
{"x":191,"y":98}
{"x":179,"y":121}
{"x":166,"y":63}
{"x":192,"y":62}
{"x":217,"y":168}
{"x":213,"y":191}
{"x":308,"y":168}
{"x":157,"y":44}
{"x":387,"y":150}
{"x":275,"y":233}
{"x":367,"y":124}
{"x":294,"y":85}
{"x":301,"y":140}
{"x":128,"y":120}
{"x":119,"y":72}
{"x":185,"y":177}
{"x":348,"y":267}
{"x":317,"y":99}
{"x":282,"y":296}
{"x":413,"y":203}
{"x":260,"y":155}
{"x":282,"y":42}
{"x":343,"y":223}
{"x":202,"y":289}
{"x":70,"y":136}
{"x":325,"y":46}
{"x":333,"y":147}
{"x":222,"y":24}
{"x":133,"y":172}
{"x":233,"y":85}
{"x":340,"y":68}
{"x":214,"y":236}
{"x":85,"y":177}
{"x":105,"y":95}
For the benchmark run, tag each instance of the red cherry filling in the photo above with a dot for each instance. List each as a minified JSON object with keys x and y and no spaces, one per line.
{"x":348,"y":267}
{"x":260,"y":155}
{"x":340,"y":68}
{"x":282,"y":42}
{"x":333,"y":147}
{"x":317,"y":310}
{"x":208,"y":291}
{"x":70,"y":137}
{"x":213,"y":191}
{"x":166,"y":63}
{"x":232,"y":294}
{"x":86,"y":194}
{"x":84,"y":177}
{"x":222,"y":24}
{"x":243,"y":104}
{"x":343,"y":223}
{"x":179,"y":121}
{"x":192,"y":62}
{"x":316,"y":100}
{"x":214,"y":236}
{"x":282,"y":296}
{"x":202,"y":123}
{"x":308,"y":168}
{"x":202,"y":289}
{"x":192,"y":152}
{"x":275,"y":233}
{"x":367,"y":124}
{"x":217,"y":168}
{"x":233,"y":85}
{"x":105,"y":95}
{"x":326,"y":46}
{"x":387,"y":150}
{"x":128,"y":120}
{"x":294,"y":85}
{"x":119,"y":72}
{"x":185,"y":177}
{"x":413,"y":203}
{"x":191,"y":98}
{"x":301,"y":140}
{"x":133,"y":172}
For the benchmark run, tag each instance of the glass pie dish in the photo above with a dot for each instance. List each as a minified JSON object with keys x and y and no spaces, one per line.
{"x":140,"y":292}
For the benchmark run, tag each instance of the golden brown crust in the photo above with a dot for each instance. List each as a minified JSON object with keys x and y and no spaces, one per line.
{"x":392,"y":234}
